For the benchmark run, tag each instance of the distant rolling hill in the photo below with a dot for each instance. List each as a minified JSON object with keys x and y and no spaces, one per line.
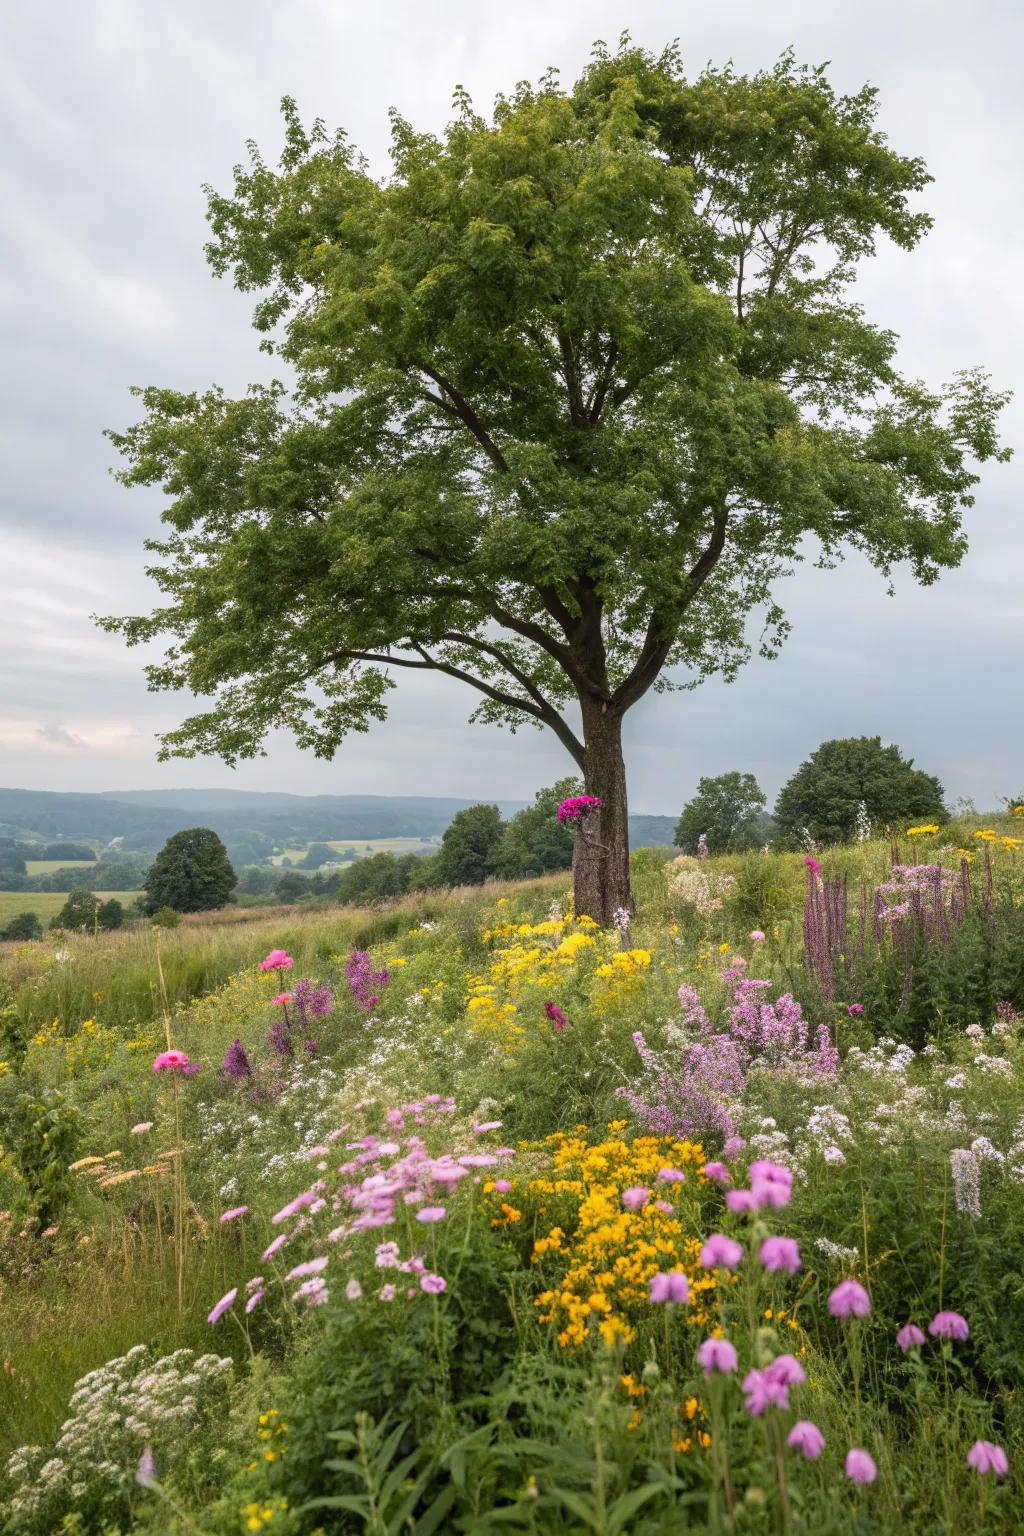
{"x":145,"y":818}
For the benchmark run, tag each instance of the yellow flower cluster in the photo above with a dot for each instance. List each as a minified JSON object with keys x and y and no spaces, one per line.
{"x":609,"y":1252}
{"x":544,"y":955}
{"x":257,"y":1515}
{"x":91,"y":1046}
{"x":986,"y":835}
{"x":930,"y":826}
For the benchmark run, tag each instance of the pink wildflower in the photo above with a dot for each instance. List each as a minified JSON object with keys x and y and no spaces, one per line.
{"x":780,"y":1253}
{"x":717,"y":1171}
{"x":859,"y":1467}
{"x":558,"y":1017}
{"x":717,"y":1355}
{"x":672,"y":1176}
{"x":174,"y":1061}
{"x":672,"y":1287}
{"x":721,"y":1252}
{"x":806,"y":1438}
{"x":310,"y":1267}
{"x":855,"y":1009}
{"x":222,"y":1306}
{"x":433,"y":1284}
{"x":431,"y":1213}
{"x":255,"y":1299}
{"x":984,"y":1457}
{"x":636,"y":1197}
{"x":277,"y":960}
{"x":282,"y":997}
{"x":909,"y":1337}
{"x":236,"y":1210}
{"x":763,"y":1390}
{"x":948,"y":1325}
{"x":143,"y":1125}
{"x":849,"y":1299}
{"x":755,"y":936}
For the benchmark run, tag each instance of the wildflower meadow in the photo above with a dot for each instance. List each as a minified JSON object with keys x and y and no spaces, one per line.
{"x":467,"y":1214}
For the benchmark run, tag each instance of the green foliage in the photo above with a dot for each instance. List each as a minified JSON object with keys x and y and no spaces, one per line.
{"x":579,"y":380}
{"x":469,"y":846}
{"x":825,"y":794}
{"x":316,"y":855}
{"x":110,"y":914}
{"x":67,"y":851}
{"x":191,"y":873}
{"x":535,"y":842}
{"x":165,"y":917}
{"x":23,"y":926}
{"x":725,"y":811}
{"x":44,"y":1138}
{"x":78,"y":912}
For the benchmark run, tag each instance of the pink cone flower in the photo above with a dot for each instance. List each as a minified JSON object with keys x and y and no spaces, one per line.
{"x":174,"y":1061}
{"x":806,"y":1438}
{"x":859,"y":1467}
{"x":909,"y":1337}
{"x":948,"y":1325}
{"x":849,"y":1299}
{"x":282,"y":998}
{"x":984,"y":1457}
{"x":780,"y":1253}
{"x":717,"y":1355}
{"x":721,"y":1252}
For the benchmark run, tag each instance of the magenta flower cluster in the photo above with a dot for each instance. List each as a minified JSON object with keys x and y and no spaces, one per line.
{"x":381,"y":1174}
{"x":577,"y":808}
{"x":364,"y":982}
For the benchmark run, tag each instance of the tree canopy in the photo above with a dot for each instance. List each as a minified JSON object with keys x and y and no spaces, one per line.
{"x":825,"y":794}
{"x":726,"y":810}
{"x":191,"y":873}
{"x":574,"y":386}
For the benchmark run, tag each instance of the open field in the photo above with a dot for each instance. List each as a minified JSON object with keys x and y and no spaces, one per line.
{"x":47,"y":866}
{"x":363,"y":847}
{"x":818,"y":1072}
{"x":46,"y":904}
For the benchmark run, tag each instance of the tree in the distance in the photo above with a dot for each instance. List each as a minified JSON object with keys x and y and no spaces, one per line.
{"x":726,"y":810}
{"x":78,"y":912}
{"x":191,"y":873}
{"x":825,"y":795}
{"x":110,"y":914}
{"x":468,"y":847}
{"x":575,"y":387}
{"x":23,"y":927}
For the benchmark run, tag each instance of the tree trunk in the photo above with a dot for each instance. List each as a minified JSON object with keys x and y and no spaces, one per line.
{"x":600,"y":861}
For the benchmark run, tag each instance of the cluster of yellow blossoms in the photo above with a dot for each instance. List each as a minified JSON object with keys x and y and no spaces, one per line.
{"x":544,"y":955}
{"x":986,"y":835}
{"x":610,"y":1250}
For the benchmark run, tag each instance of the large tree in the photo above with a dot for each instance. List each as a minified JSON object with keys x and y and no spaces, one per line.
{"x":727,"y":811}
{"x":191,"y":873}
{"x":825,"y":795}
{"x":573,"y":386}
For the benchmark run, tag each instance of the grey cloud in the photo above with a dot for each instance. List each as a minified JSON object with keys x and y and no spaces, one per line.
{"x":114,"y":114}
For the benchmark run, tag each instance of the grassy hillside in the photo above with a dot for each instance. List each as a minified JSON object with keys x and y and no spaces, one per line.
{"x":46,"y":904}
{"x":450,"y":1207}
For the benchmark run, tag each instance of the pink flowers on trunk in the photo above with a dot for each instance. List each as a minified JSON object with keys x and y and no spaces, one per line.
{"x":577,"y":808}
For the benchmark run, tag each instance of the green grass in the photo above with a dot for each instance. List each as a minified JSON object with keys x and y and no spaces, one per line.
{"x":363,"y":847}
{"x":47,"y":866}
{"x":46,"y":904}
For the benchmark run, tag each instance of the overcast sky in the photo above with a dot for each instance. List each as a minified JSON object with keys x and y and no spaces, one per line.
{"x":112,"y":115}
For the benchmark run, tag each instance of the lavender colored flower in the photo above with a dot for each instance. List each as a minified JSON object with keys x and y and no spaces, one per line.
{"x":717,"y":1355}
{"x":237,"y":1065}
{"x":948,"y":1325}
{"x":430,"y":1213}
{"x":849,"y":1299}
{"x":909,"y":1337}
{"x":984,"y":1457}
{"x":236,"y":1210}
{"x":764,"y":1390}
{"x":859,"y":1467}
{"x":364,"y":982}
{"x":787,"y":1369}
{"x":721,"y":1252}
{"x":636,"y":1197}
{"x":806,"y":1438}
{"x":670,"y":1287}
{"x":145,"y":1472}
{"x":222,"y":1306}
{"x":717,"y":1171}
{"x":433,"y":1284}
{"x":780,"y":1253}
{"x":255,"y":1299}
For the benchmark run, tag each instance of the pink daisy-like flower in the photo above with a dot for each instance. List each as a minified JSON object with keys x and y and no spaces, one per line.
{"x":277,"y":960}
{"x":171,"y":1061}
